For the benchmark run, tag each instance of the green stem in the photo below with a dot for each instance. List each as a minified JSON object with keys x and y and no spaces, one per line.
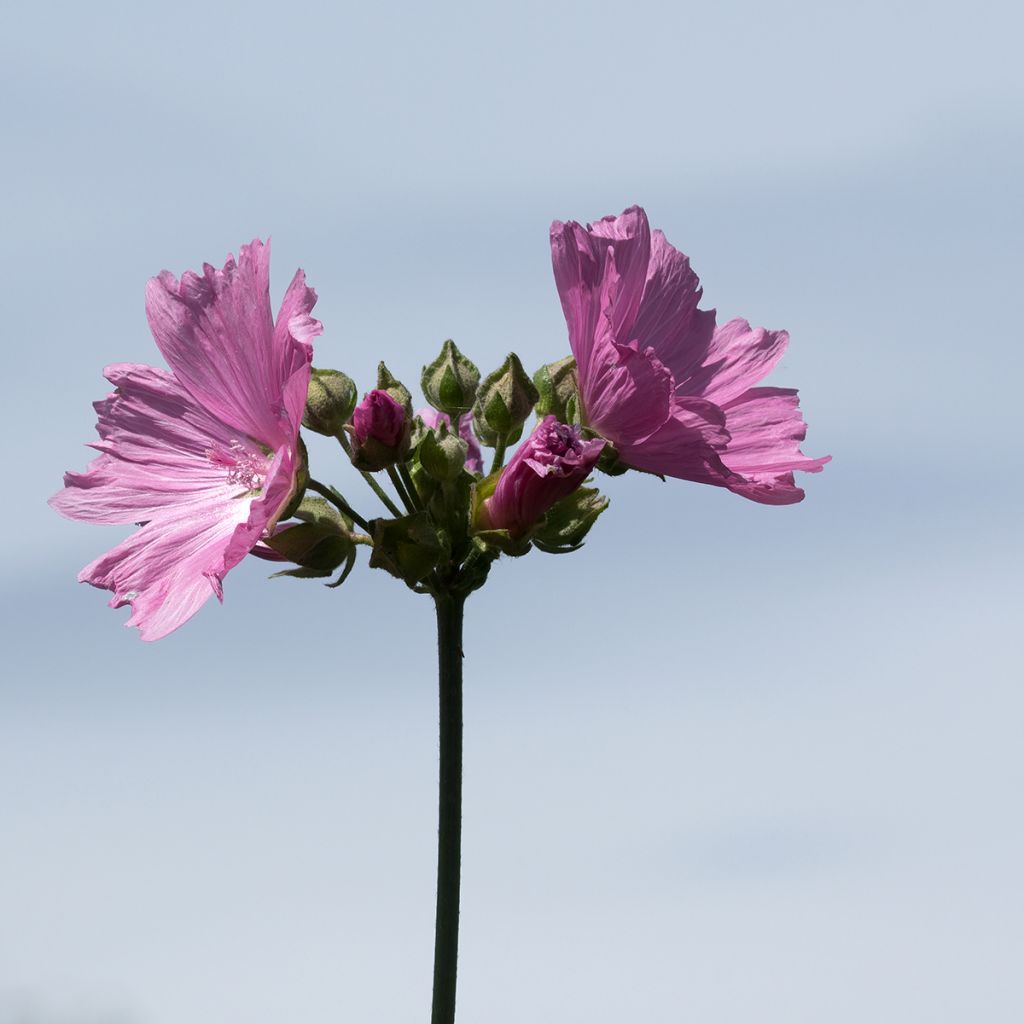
{"x":338,"y":501}
{"x":499,"y":454}
{"x":403,"y":495}
{"x":449,"y":830}
{"x":406,"y":476}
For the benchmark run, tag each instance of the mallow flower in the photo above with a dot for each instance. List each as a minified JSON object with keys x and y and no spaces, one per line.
{"x":674,"y":393}
{"x":431,"y":418}
{"x":550,"y":464}
{"x":205,"y":457}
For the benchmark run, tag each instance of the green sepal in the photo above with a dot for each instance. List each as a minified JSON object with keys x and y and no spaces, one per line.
{"x":608,"y":462}
{"x":395,"y":388}
{"x":442,"y":454}
{"x":301,"y":482}
{"x":568,"y":521}
{"x":409,"y":548}
{"x":558,"y":391}
{"x":450,"y":382}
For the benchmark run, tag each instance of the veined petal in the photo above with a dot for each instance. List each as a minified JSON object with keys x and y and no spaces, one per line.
{"x":157,"y":447}
{"x":217,"y":334}
{"x":738,"y":357}
{"x":766,"y":429}
{"x":668,"y":319}
{"x":164,"y":570}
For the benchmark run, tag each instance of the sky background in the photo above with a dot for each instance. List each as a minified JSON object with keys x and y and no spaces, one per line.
{"x":727,"y":764}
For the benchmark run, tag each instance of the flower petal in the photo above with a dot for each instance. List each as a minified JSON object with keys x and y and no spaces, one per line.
{"x":767,"y":428}
{"x":668,"y":319}
{"x":738,"y":357}
{"x":217,"y":334}
{"x":156,"y":444}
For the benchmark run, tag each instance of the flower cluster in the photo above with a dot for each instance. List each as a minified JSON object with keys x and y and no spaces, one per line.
{"x":207,"y":459}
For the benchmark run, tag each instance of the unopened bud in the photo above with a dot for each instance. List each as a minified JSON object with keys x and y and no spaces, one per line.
{"x":442,"y":454}
{"x":380,"y":432}
{"x":450,"y":381}
{"x":329,"y":402}
{"x":558,"y":388}
{"x":504,"y":401}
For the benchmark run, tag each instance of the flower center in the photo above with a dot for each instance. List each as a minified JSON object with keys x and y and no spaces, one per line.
{"x":246,"y":466}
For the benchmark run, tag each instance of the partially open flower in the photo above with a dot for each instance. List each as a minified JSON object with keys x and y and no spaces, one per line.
{"x":552,"y":462}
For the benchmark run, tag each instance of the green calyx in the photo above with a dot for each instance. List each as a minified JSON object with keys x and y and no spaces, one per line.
{"x":330,"y":399}
{"x":450,"y":382}
{"x":503,"y":402}
{"x":319,"y":544}
{"x":395,"y":388}
{"x":442,"y":454}
{"x":569,"y":521}
{"x":558,"y":390}
{"x":409,"y":548}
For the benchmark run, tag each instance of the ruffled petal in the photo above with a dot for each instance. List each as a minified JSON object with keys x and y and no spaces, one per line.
{"x":739,"y":356}
{"x":166,"y":570}
{"x":766,"y":429}
{"x":156,"y":444}
{"x":668,"y":319}
{"x":217,"y":334}
{"x":294,"y":332}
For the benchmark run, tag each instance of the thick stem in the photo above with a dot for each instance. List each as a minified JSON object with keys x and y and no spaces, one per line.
{"x":449,"y":830}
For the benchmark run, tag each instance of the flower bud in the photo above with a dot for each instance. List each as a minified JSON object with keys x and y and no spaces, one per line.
{"x":380,"y":431}
{"x":504,"y":401}
{"x":558,"y":388}
{"x":550,"y":465}
{"x":474,"y":457}
{"x":569,"y":521}
{"x":395,"y":388}
{"x":450,"y":381}
{"x":442,"y":454}
{"x":329,"y":402}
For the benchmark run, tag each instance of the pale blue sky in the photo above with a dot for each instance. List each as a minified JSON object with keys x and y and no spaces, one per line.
{"x":728,"y":763}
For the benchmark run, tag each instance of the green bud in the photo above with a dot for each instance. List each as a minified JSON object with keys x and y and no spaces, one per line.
{"x":409,"y":547}
{"x":569,"y":521}
{"x":329,"y":402}
{"x":450,"y":381}
{"x":395,"y":388}
{"x":442,"y":454}
{"x":558,"y":387}
{"x":504,"y":401}
{"x":488,"y":438}
{"x":319,"y":544}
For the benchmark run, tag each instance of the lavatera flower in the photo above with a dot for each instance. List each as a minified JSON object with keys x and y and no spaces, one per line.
{"x":205,"y":457}
{"x":674,"y":393}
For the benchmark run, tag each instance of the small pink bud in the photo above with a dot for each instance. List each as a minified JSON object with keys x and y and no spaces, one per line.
{"x":381,"y":431}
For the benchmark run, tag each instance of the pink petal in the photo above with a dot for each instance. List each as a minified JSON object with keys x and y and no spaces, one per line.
{"x":767,"y":428}
{"x":738,"y":357}
{"x":156,"y":444}
{"x":668,"y":319}
{"x":217,"y":333}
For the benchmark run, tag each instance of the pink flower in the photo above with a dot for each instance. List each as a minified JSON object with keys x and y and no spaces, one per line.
{"x":552,"y":462}
{"x":474,"y":460}
{"x":674,"y":393}
{"x":205,"y":457}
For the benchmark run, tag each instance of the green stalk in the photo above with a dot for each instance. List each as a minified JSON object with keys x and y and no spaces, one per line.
{"x":449,"y":831}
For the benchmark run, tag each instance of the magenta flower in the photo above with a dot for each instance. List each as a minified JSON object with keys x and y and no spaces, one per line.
{"x":552,"y":462}
{"x":205,"y":457}
{"x":674,"y":393}
{"x":474,"y":460}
